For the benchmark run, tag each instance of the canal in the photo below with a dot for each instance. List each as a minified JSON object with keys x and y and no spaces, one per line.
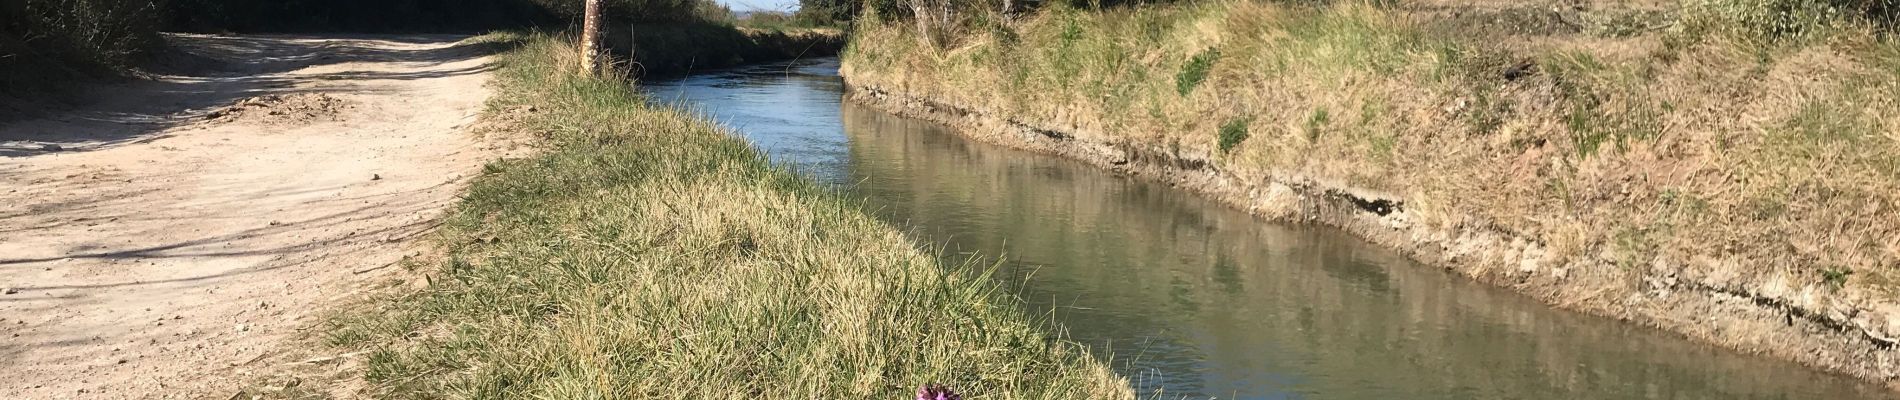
{"x":1191,"y":299}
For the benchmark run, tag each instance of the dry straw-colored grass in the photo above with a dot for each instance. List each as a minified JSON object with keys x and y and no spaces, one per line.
{"x":1687,"y":140}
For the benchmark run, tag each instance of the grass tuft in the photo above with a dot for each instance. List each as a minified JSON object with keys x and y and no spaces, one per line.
{"x":1195,"y":71}
{"x":1316,"y":123}
{"x":1232,"y":133}
{"x":1835,"y":277}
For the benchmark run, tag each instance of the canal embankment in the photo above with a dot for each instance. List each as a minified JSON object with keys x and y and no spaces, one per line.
{"x":1689,"y":168}
{"x":645,"y":252}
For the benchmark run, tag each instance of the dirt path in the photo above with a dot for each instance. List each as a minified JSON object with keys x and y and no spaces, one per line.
{"x":169,"y":237}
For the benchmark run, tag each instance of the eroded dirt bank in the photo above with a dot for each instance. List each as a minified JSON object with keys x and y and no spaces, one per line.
{"x":166,"y":240}
{"x":1724,"y":316}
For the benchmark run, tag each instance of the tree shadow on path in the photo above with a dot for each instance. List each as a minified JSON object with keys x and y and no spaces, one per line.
{"x":202,"y":74}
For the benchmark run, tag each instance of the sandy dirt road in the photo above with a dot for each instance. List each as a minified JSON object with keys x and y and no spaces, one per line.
{"x":172,"y":235}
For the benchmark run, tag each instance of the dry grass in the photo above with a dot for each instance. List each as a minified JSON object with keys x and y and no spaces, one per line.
{"x":1657,"y":139}
{"x":649,"y":254}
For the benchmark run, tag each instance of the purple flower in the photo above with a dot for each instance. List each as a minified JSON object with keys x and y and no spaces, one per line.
{"x":937,"y":392}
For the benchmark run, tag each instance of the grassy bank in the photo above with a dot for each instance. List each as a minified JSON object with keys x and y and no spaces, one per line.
{"x":647,"y":253}
{"x":1607,"y":156}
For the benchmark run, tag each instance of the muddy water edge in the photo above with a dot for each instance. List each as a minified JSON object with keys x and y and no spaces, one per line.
{"x":1187,"y":296}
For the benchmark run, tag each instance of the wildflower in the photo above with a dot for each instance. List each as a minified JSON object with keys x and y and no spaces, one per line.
{"x":937,"y":392}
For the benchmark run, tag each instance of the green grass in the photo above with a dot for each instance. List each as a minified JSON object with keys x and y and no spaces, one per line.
{"x":1835,"y":277}
{"x":1195,"y":71}
{"x":1232,"y":133}
{"x":647,"y":253}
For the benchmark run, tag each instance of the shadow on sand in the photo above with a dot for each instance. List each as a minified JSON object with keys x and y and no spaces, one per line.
{"x":202,"y":74}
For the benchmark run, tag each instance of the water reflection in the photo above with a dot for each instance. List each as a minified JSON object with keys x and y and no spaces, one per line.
{"x":746,"y":98}
{"x":1192,"y":299}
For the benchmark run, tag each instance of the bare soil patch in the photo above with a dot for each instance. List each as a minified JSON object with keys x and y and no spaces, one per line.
{"x":169,"y":239}
{"x":292,"y":108}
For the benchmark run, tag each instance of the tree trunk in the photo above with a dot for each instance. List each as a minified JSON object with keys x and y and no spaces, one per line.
{"x":590,"y":37}
{"x":920,"y":11}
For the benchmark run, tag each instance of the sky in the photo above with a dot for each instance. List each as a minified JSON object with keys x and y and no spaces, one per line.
{"x":749,"y":5}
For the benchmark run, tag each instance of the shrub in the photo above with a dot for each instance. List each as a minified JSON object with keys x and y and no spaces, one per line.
{"x":1785,"y":21}
{"x":828,"y":12}
{"x":53,"y":40}
{"x":769,"y":20}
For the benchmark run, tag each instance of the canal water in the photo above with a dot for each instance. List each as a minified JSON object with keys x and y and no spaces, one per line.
{"x":1190,"y":299}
